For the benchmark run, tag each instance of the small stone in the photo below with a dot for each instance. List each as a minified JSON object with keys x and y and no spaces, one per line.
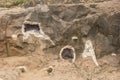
{"x":22,"y":69}
{"x":14,"y":37}
{"x":50,"y":69}
{"x":113,"y":54}
{"x":74,"y":38}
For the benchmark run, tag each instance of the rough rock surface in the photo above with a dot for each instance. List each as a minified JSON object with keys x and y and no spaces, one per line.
{"x":97,"y":22}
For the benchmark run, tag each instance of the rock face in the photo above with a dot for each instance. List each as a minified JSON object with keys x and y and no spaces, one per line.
{"x":61,"y":23}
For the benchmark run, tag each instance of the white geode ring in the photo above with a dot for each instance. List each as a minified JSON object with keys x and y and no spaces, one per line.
{"x":67,"y":52}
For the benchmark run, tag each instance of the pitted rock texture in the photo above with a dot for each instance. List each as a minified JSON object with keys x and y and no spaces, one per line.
{"x":61,"y":23}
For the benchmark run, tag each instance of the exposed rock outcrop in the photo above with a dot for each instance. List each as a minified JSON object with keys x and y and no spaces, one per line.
{"x":61,"y":23}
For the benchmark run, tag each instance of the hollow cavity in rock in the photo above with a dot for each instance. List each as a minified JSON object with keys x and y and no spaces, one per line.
{"x":67,"y":53}
{"x":34,"y":28}
{"x":29,"y":27}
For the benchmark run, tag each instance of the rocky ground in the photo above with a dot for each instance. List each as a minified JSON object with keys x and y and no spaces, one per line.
{"x":82,"y":69}
{"x":99,"y":22}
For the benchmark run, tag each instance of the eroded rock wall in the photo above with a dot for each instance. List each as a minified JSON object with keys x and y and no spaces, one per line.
{"x":61,"y":23}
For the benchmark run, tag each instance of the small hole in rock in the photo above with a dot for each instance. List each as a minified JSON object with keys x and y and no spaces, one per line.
{"x":67,"y":53}
{"x":22,"y":70}
{"x":49,"y":70}
{"x":29,"y":27}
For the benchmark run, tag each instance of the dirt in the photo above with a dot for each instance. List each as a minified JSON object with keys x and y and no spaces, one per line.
{"x":82,"y":69}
